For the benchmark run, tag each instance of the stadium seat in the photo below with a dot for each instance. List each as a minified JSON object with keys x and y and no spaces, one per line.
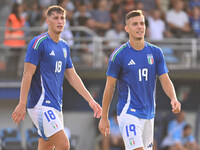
{"x":11,"y":139}
{"x":31,"y":139}
{"x":73,"y":142}
{"x":170,"y":58}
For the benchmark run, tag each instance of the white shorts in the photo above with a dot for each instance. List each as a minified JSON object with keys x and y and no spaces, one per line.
{"x":47,"y":120}
{"x":136,"y":132}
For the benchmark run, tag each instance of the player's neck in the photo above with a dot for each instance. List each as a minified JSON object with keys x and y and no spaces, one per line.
{"x":54,"y":37}
{"x":137,"y":44}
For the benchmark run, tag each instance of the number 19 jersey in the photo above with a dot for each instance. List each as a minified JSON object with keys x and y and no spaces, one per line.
{"x":51,"y":59}
{"x":136,"y":72}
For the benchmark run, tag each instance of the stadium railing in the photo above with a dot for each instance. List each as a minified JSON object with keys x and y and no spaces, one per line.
{"x":90,"y":51}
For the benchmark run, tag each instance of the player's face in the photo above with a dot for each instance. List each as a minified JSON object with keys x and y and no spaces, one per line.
{"x":135,"y":27}
{"x":56,"y":22}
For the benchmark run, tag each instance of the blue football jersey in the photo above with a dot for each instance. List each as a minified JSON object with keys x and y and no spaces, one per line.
{"x":136,"y":72}
{"x":51,"y":59}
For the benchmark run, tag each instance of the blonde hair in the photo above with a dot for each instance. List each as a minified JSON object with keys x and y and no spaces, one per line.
{"x":56,"y":8}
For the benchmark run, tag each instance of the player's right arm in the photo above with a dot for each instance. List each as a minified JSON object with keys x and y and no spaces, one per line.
{"x":104,"y":124}
{"x":20,"y":110}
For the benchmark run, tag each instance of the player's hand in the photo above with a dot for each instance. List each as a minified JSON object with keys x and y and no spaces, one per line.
{"x":104,"y":126}
{"x":176,"y":106}
{"x":96,"y":107}
{"x":19,"y":113}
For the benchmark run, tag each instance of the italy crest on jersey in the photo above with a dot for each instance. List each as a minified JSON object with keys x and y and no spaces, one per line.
{"x":65,"y":52}
{"x":150,"y":59}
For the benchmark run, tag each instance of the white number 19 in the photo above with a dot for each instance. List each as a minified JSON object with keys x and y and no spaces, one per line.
{"x":143,"y":73}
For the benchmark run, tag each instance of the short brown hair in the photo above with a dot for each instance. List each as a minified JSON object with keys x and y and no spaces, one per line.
{"x":133,"y":13}
{"x":56,"y":8}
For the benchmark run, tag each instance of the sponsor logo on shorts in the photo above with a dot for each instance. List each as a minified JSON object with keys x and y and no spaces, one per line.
{"x":133,"y":110}
{"x":132,"y":142}
{"x":150,"y":145}
{"x":48,"y":101}
{"x":55,"y":126}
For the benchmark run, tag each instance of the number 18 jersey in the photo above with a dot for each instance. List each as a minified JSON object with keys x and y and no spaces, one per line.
{"x":136,"y":72}
{"x":51,"y":59}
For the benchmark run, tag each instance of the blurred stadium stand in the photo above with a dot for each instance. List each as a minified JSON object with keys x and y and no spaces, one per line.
{"x":182,"y":57}
{"x":11,"y":139}
{"x":31,"y":139}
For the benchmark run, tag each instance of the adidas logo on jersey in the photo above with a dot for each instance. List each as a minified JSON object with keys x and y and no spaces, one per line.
{"x":52,"y":53}
{"x":131,"y":62}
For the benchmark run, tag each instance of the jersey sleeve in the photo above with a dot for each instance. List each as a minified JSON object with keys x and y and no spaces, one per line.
{"x":161,"y":65}
{"x":69,"y":63}
{"x":113,"y":67}
{"x":33,"y":55}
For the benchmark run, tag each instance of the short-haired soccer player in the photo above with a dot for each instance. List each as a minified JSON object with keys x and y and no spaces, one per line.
{"x":47,"y":61}
{"x":135,"y":65}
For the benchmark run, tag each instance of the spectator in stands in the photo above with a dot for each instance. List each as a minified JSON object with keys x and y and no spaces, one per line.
{"x":43,"y":18}
{"x":157,"y":28}
{"x":4,"y":11}
{"x":178,"y":20}
{"x":150,"y":5}
{"x":81,"y":15}
{"x":46,"y":3}
{"x":34,"y":15}
{"x":87,"y":47}
{"x":195,"y":21}
{"x":175,"y":128}
{"x":129,"y":5}
{"x":194,"y":3}
{"x":117,"y":11}
{"x":115,"y":141}
{"x":14,"y":36}
{"x":185,"y":140}
{"x":163,"y":6}
{"x":188,"y":140}
{"x":116,"y":35}
{"x":102,"y":18}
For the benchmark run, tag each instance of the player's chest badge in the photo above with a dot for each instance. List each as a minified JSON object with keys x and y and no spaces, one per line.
{"x":150,"y":59}
{"x":65,"y":52}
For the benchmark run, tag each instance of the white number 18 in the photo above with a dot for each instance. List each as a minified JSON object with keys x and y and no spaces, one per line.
{"x":143,"y":73}
{"x":58,"y":66}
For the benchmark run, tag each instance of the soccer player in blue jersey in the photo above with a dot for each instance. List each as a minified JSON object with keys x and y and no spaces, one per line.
{"x":47,"y":61}
{"x":135,"y":66}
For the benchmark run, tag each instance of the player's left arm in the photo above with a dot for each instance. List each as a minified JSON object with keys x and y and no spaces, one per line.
{"x":78,"y":85}
{"x":169,"y":90}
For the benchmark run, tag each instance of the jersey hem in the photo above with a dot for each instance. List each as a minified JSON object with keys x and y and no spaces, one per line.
{"x":40,"y":107}
{"x":142,"y":116}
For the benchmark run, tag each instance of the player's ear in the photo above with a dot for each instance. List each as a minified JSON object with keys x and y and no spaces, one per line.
{"x":126,"y":28}
{"x":47,"y":20}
